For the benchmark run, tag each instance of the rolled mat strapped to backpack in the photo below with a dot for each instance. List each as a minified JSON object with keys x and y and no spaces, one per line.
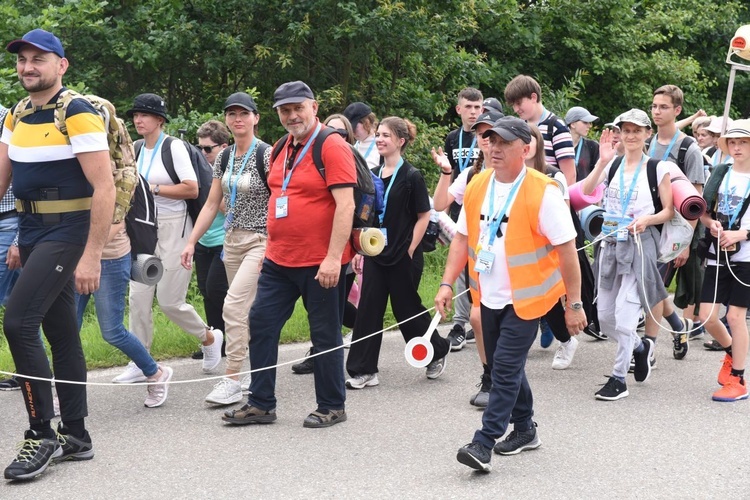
{"x":368,"y":241}
{"x":146,"y":269}
{"x":685,"y":198}
{"x":592,"y":218}
{"x":579,"y":201}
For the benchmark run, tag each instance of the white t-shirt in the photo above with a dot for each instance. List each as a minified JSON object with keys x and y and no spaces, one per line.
{"x":640,"y":202}
{"x":554,"y":223}
{"x":373,"y":158}
{"x":727,"y":201}
{"x":458,"y":188}
{"x":152,"y":169}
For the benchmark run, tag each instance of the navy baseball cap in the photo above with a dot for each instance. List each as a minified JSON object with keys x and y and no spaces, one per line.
{"x":42,"y":40}
{"x":292,"y":93}
{"x":356,"y":111}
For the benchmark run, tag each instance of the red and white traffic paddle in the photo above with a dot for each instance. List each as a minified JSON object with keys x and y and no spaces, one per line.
{"x":419,"y":351}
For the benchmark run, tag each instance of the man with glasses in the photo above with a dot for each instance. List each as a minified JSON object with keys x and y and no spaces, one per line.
{"x":213,"y":136}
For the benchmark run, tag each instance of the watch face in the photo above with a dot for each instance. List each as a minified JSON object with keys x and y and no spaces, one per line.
{"x":576,"y":306}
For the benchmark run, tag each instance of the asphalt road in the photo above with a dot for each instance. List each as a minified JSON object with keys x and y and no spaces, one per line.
{"x":666,"y":440}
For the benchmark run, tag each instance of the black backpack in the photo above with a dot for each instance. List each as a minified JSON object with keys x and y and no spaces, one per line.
{"x":203,"y":171}
{"x":684,"y":146}
{"x":260,"y":151}
{"x":368,"y":194}
{"x":140,"y":221}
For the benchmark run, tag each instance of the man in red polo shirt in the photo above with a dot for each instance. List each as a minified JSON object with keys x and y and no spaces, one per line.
{"x":309,"y":226}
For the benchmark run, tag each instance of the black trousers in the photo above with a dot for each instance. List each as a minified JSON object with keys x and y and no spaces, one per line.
{"x":45,"y":294}
{"x":378,"y":283}
{"x":212,"y":282}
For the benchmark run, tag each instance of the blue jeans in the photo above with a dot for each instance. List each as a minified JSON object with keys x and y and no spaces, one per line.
{"x":278,"y":290}
{"x":110,"y":312}
{"x":8,"y":229}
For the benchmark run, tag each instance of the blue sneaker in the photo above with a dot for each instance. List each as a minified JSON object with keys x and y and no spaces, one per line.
{"x":546,"y":338}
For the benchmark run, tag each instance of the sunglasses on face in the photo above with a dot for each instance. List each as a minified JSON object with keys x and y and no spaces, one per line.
{"x":207,"y":149}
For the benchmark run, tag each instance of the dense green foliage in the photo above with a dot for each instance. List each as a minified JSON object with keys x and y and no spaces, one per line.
{"x":406,"y":57}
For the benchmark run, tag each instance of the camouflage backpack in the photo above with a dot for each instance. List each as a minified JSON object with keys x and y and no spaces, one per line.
{"x":121,"y":155}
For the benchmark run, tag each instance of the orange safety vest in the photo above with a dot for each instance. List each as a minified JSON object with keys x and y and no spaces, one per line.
{"x":533,"y":264}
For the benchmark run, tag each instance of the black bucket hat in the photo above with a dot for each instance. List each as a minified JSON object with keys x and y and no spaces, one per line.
{"x":151,"y":104}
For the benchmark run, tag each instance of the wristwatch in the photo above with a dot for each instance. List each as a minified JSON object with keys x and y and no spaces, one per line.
{"x":156,"y":190}
{"x":576,"y":306}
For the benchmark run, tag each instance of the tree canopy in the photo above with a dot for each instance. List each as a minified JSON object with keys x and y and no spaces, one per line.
{"x":403,"y":57}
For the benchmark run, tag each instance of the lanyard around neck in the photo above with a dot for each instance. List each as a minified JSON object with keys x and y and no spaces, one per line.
{"x":297,"y":160}
{"x":624,"y":202}
{"x":652,"y":148}
{"x":151,"y":160}
{"x":388,"y":189}
{"x":463,"y":163}
{"x":578,"y":150}
{"x":233,"y":186}
{"x":497,"y":218}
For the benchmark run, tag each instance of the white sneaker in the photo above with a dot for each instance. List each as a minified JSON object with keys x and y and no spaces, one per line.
{"x":362,"y":381}
{"x":131,"y":375}
{"x":564,"y":354}
{"x":212,"y":353}
{"x":159,"y":389}
{"x":348,"y":340}
{"x":245,"y":383}
{"x":226,"y":392}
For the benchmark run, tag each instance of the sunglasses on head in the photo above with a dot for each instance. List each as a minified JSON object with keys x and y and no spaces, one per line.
{"x":207,"y":149}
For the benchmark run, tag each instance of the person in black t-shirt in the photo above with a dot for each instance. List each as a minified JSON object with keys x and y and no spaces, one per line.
{"x":579,"y":120}
{"x":396,"y":272}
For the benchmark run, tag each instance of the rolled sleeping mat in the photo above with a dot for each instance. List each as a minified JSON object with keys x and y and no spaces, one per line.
{"x":579,"y":201}
{"x":591,"y":221}
{"x":447,"y":228}
{"x":146,"y":269}
{"x":368,"y":241}
{"x":685,"y":198}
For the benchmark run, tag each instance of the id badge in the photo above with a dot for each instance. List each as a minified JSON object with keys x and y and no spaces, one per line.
{"x":622,"y":234}
{"x":484,"y":262}
{"x":385,"y":235}
{"x":282,"y":207}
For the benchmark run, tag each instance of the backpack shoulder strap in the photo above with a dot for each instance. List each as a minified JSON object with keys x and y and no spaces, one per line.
{"x":684,"y":146}
{"x":260,"y":152}
{"x":278,"y":147}
{"x":317,"y":149}
{"x":653,"y":185}
{"x":167,"y":160}
{"x":224,"y":159}
{"x":137,"y":146}
{"x":613,"y":169}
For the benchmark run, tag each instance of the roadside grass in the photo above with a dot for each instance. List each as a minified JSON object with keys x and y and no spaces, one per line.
{"x":170,"y":341}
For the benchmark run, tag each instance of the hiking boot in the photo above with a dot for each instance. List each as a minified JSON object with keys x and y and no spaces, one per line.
{"x":470,"y":338}
{"x":612,"y":390}
{"x":436,"y":368}
{"x":476,"y":456}
{"x":158,"y":389}
{"x":324,"y":418}
{"x":642,"y":369}
{"x":34,"y":456}
{"x":306,"y":366}
{"x":212,"y":353}
{"x":10,"y":384}
{"x":73,"y":448}
{"x":713,"y":345}
{"x":564,"y":354}
{"x":457,"y":338}
{"x":516,"y":442}
{"x":249,"y":415}
{"x":680,"y":340}
{"x":726,"y":370}
{"x":226,"y":392}
{"x":592,"y":331}
{"x":362,"y":381}
{"x":734,"y":390}
{"x":131,"y":375}
{"x":482,"y":398}
{"x":546,"y":338}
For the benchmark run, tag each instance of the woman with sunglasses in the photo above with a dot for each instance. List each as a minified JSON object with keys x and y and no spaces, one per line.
{"x":239,"y":180}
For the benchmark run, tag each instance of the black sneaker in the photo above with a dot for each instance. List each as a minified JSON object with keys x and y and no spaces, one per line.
{"x":10,"y":384}
{"x":457,"y":338}
{"x":73,"y":448}
{"x":680,"y":340}
{"x":642,"y":369}
{"x":306,"y":366}
{"x":476,"y":456}
{"x":470,"y":339}
{"x":592,"y":331}
{"x":712,"y":345}
{"x":482,"y":398}
{"x":612,"y":390}
{"x":34,"y":456}
{"x":516,"y":442}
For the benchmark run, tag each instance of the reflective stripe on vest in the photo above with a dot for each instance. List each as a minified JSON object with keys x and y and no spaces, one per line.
{"x":525,"y":259}
{"x":538,"y":290}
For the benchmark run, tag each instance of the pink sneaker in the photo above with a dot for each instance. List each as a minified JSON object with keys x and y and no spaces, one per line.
{"x":158,"y":390}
